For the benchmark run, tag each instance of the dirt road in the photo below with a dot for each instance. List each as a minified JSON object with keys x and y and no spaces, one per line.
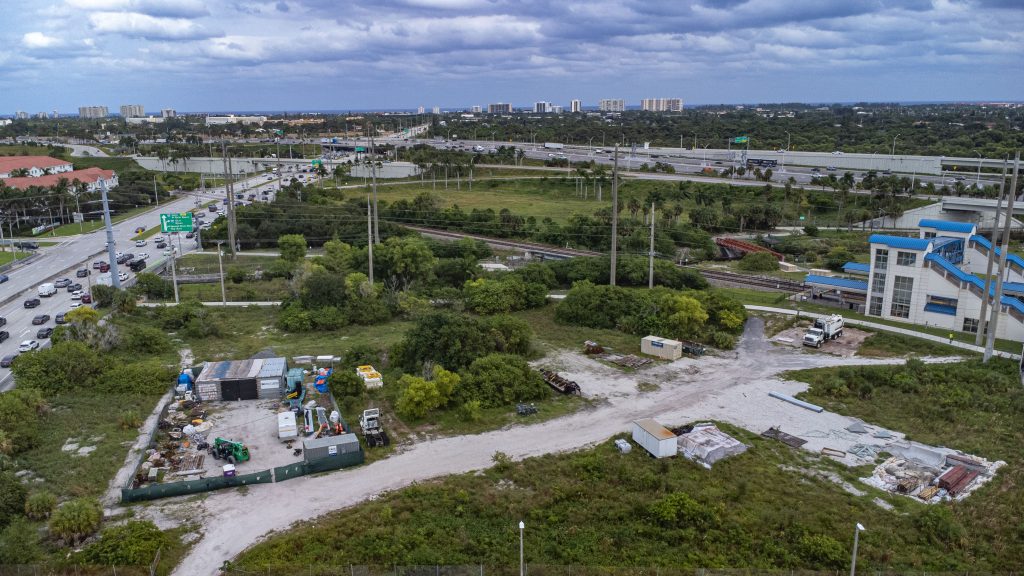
{"x":732,"y":388}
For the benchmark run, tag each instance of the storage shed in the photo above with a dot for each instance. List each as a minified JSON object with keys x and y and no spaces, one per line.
{"x":328,"y":446}
{"x":655,"y":438}
{"x":662,"y":347}
{"x":242,"y":379}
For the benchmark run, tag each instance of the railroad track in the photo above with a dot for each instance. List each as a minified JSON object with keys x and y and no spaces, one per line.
{"x":507,"y":243}
{"x":753,"y":281}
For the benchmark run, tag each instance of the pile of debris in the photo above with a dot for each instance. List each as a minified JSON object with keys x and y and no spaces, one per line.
{"x":627,"y":361}
{"x":705,"y":444}
{"x":559,"y":382}
{"x":931,"y":475}
{"x":180,"y":443}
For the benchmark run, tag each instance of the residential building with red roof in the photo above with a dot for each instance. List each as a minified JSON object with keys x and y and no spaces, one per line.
{"x":92,"y":177}
{"x":36,"y":165}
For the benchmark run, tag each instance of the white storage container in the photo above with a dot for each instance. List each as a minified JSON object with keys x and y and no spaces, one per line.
{"x":655,"y":438}
{"x":287,"y":428}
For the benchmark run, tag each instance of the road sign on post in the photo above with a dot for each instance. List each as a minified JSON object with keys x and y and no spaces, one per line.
{"x":176,"y":222}
{"x":741,"y":140}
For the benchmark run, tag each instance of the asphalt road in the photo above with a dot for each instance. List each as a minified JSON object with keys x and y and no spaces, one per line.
{"x":76,"y":252}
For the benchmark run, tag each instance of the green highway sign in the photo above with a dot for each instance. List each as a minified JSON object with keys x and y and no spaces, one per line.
{"x":802,"y":218}
{"x":315,"y":162}
{"x":176,"y":222}
{"x":360,"y":149}
{"x":741,"y":140}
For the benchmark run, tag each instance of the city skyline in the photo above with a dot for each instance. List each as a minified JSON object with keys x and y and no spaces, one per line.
{"x":400,"y":54}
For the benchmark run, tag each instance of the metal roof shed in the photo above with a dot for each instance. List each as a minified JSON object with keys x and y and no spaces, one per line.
{"x":655,"y":438}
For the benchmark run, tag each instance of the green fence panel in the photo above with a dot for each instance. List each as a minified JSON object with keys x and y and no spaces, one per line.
{"x":335,"y":462}
{"x":154,"y":491}
{"x":282,"y":473}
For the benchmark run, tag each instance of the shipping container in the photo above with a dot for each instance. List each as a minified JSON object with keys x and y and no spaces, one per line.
{"x":655,"y":438}
{"x":661,"y":347}
{"x":329,"y":446}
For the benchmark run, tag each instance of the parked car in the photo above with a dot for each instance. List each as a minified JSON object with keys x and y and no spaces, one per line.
{"x":75,"y":287}
{"x":40,"y":319}
{"x":82,"y":273}
{"x":31,"y":302}
{"x":44,"y":333}
{"x":61,"y":282}
{"x":4,"y":335}
{"x":86,"y":298}
{"x":28,"y":346}
{"x":7,"y":360}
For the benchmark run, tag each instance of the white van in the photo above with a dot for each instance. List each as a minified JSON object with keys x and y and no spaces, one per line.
{"x":46,"y":290}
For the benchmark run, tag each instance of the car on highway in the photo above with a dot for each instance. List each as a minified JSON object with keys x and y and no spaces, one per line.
{"x":7,"y":360}
{"x":123,"y":276}
{"x":161,"y":245}
{"x":74,"y":305}
{"x":28,"y":345}
{"x":82,"y":273}
{"x":31,"y":302}
{"x":97,"y":263}
{"x":3,"y":321}
{"x":3,"y":278}
{"x":190,"y":235}
{"x":140,"y":243}
{"x":40,"y":319}
{"x":837,"y":153}
{"x":831,"y":168}
{"x":4,"y":335}
{"x":44,"y":333}
{"x":61,"y":282}
{"x":77,"y":294}
{"x":60,"y":318}
{"x":137,"y":266}
{"x":213,"y":207}
{"x":142,"y":257}
{"x":74,"y":287}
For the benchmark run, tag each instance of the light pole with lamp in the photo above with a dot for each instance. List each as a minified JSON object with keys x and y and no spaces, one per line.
{"x":856,"y":539}
{"x":977,"y":180}
{"x":522,"y":565}
{"x":786,"y":151}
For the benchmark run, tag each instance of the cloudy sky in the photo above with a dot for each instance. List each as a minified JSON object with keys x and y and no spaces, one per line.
{"x":206,"y":55}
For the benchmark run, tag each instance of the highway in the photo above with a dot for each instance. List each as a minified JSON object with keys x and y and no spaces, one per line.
{"x":76,"y":252}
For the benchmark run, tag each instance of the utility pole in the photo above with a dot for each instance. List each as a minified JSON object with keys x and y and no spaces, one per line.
{"x":228,"y":190}
{"x":373,"y":175}
{"x":650,"y":280}
{"x":174,"y":275}
{"x":369,"y":237}
{"x":996,"y":303}
{"x":220,"y":265}
{"x":115,"y":280}
{"x":615,"y":212}
{"x":156,"y":197}
{"x":982,"y":322}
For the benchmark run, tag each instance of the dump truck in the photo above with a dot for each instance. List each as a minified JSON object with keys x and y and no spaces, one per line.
{"x":827,"y":328}
{"x":372,"y":428}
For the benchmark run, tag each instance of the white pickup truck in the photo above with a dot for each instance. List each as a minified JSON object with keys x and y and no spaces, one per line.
{"x":828,"y":328}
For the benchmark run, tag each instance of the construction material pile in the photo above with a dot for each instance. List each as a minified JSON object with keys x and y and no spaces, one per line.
{"x":705,"y":444}
{"x":180,"y":444}
{"x":931,"y":475}
{"x":370,"y":376}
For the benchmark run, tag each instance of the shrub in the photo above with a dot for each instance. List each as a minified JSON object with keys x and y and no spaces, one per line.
{"x":19,"y":418}
{"x":455,"y":340}
{"x":139,"y":339}
{"x":129,"y":419}
{"x":12,"y":498}
{"x":759,"y":262}
{"x":133,"y":544}
{"x":19,"y":543}
{"x":821,"y":551}
{"x":145,"y":377}
{"x":501,"y":379}
{"x":76,"y":520}
{"x":40,"y":505}
{"x":236,"y":274}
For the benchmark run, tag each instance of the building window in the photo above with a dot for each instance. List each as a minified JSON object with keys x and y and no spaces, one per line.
{"x":971,"y":325}
{"x":906,"y":258}
{"x":929,"y":234}
{"x":876,"y":306}
{"x":881,"y":258}
{"x":902,"y":292}
{"x":878,"y":283}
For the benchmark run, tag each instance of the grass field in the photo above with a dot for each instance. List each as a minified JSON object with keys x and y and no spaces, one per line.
{"x":549,"y":335}
{"x":8,"y":256}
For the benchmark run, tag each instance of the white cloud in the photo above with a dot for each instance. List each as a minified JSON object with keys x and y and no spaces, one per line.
{"x":172,"y":8}
{"x":137,"y":25}
{"x":35,"y":40}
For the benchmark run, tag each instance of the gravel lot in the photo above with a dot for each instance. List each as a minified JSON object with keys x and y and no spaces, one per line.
{"x":732,"y":387}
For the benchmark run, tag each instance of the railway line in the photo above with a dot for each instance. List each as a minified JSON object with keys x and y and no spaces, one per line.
{"x":758,"y":282}
{"x":542,"y":250}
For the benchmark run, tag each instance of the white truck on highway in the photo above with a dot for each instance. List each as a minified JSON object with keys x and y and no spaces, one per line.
{"x":827,"y":328}
{"x":47,"y":289}
{"x":553,"y":146}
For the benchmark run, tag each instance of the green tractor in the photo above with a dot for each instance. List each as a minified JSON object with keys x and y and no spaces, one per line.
{"x":229,"y":450}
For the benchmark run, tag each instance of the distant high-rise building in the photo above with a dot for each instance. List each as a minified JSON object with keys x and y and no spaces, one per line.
{"x":662,"y":104}
{"x":476,"y":109}
{"x":42,"y":115}
{"x":555,"y":109}
{"x":436,"y":110}
{"x":132,"y":111}
{"x":421,"y":110}
{"x":55,"y":114}
{"x":576,"y":106}
{"x":93,"y":112}
{"x":499,"y":108}
{"x":168,"y":113}
{"x":611,"y":105}
{"x":21,"y":115}
{"x":542,"y":107}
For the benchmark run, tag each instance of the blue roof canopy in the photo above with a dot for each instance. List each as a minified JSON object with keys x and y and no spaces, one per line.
{"x":854,"y":267}
{"x":988,"y":246}
{"x":843,"y":283}
{"x":948,"y":226}
{"x":900,"y":242}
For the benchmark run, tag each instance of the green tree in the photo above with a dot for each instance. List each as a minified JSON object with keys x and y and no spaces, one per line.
{"x":63,"y":367}
{"x":12,"y":498}
{"x":406,"y":260}
{"x":20,"y":412}
{"x":500,"y":380}
{"x":103,"y":295}
{"x":418,"y":396}
{"x":152,"y":286}
{"x":19,"y":543}
{"x":683,"y":316}
{"x":759,"y":262}
{"x":292,"y":247}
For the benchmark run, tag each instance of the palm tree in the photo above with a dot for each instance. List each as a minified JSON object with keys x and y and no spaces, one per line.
{"x":633,"y":206}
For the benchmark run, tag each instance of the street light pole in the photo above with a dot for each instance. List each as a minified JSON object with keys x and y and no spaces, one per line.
{"x":220,"y":265}
{"x":856,"y":539}
{"x":522,"y":565}
{"x":977,"y":180}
